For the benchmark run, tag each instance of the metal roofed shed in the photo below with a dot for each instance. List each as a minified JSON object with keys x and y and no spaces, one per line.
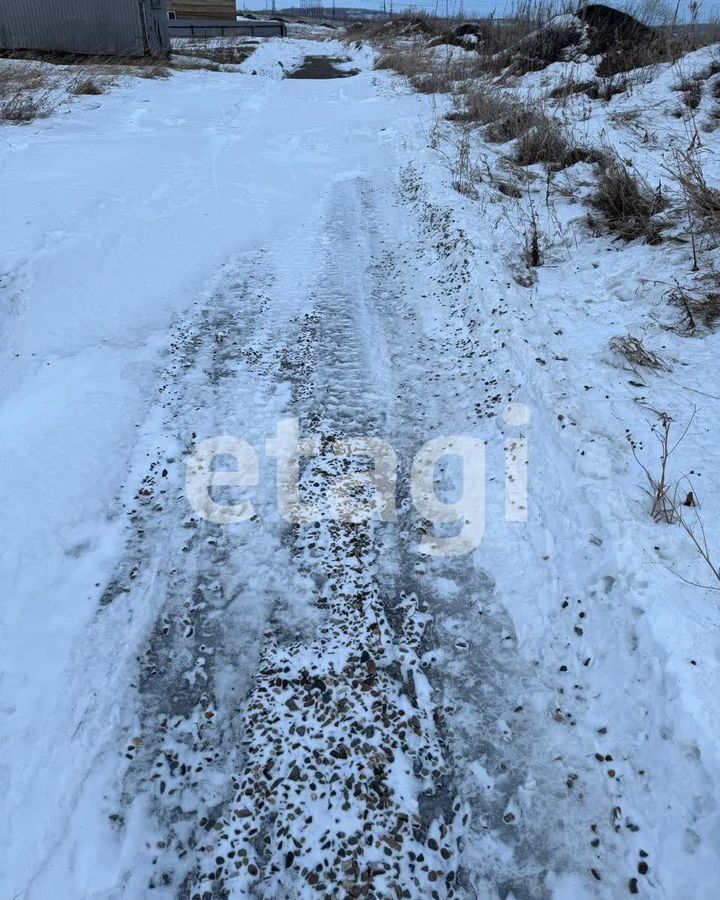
{"x":117,"y":27}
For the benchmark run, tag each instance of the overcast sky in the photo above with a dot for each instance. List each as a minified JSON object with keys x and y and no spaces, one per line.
{"x":709,"y":8}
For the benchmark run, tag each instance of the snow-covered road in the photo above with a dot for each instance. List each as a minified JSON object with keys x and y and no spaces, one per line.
{"x":265,"y":708}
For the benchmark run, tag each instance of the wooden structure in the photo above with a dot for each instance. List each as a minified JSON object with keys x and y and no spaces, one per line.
{"x":208,"y":10}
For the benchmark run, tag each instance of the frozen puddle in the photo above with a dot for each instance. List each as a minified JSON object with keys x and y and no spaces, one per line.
{"x":320,"y":67}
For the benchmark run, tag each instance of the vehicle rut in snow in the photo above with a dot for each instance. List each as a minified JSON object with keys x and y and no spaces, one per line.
{"x":321,"y":708}
{"x":339,"y":729}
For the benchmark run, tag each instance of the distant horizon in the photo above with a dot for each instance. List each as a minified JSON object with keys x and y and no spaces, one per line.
{"x":500,"y":8}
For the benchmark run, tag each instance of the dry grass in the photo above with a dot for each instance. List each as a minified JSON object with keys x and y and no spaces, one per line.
{"x":408,"y":61}
{"x":625,"y":201}
{"x":210,"y":54}
{"x":543,"y":143}
{"x":702,"y":200}
{"x":535,"y":51}
{"x":513,"y":125}
{"x":87,"y":87}
{"x":596,"y":89}
{"x":144,"y":66}
{"x":629,"y":55}
{"x":22,"y":108}
{"x":24,"y":94}
{"x":480,"y":106}
{"x":546,"y":142}
{"x":691,"y":89}
{"x":428,"y":74}
{"x":436,"y":81}
{"x":637,"y":354}
{"x":410,"y":25}
{"x":15,"y":78}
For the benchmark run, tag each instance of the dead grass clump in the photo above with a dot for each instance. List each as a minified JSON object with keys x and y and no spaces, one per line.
{"x":626,"y":56}
{"x":546,"y":143}
{"x":569,"y":88}
{"x":15,"y":79}
{"x":637,"y":354}
{"x":543,"y":143}
{"x":212,"y":56}
{"x":145,"y":66}
{"x":480,"y":107}
{"x":87,"y":87}
{"x":597,"y":89}
{"x":607,"y":88}
{"x":408,"y":25}
{"x":22,"y":108}
{"x":513,"y":125}
{"x":544,"y":46}
{"x":151,"y":71}
{"x":509,"y":189}
{"x":691,"y":89}
{"x":625,"y":201}
{"x":435,"y":81}
{"x":703,"y":200}
{"x":409,"y":62}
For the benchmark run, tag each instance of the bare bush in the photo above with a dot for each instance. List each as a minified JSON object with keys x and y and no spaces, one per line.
{"x":663,"y":508}
{"x":464,"y":171}
{"x":533,"y":256}
{"x":699,"y":310}
{"x":626,"y":202}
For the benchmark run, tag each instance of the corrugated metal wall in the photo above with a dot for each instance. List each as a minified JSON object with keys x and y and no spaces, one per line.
{"x":84,"y":26}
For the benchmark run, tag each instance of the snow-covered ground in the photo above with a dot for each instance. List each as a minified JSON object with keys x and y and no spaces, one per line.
{"x":276,"y":710}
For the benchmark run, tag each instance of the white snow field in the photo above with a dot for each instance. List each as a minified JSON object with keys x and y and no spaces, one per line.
{"x":265,"y":709}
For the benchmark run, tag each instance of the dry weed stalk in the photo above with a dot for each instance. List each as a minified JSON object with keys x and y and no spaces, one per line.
{"x":637,"y":354}
{"x":666,"y":506}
